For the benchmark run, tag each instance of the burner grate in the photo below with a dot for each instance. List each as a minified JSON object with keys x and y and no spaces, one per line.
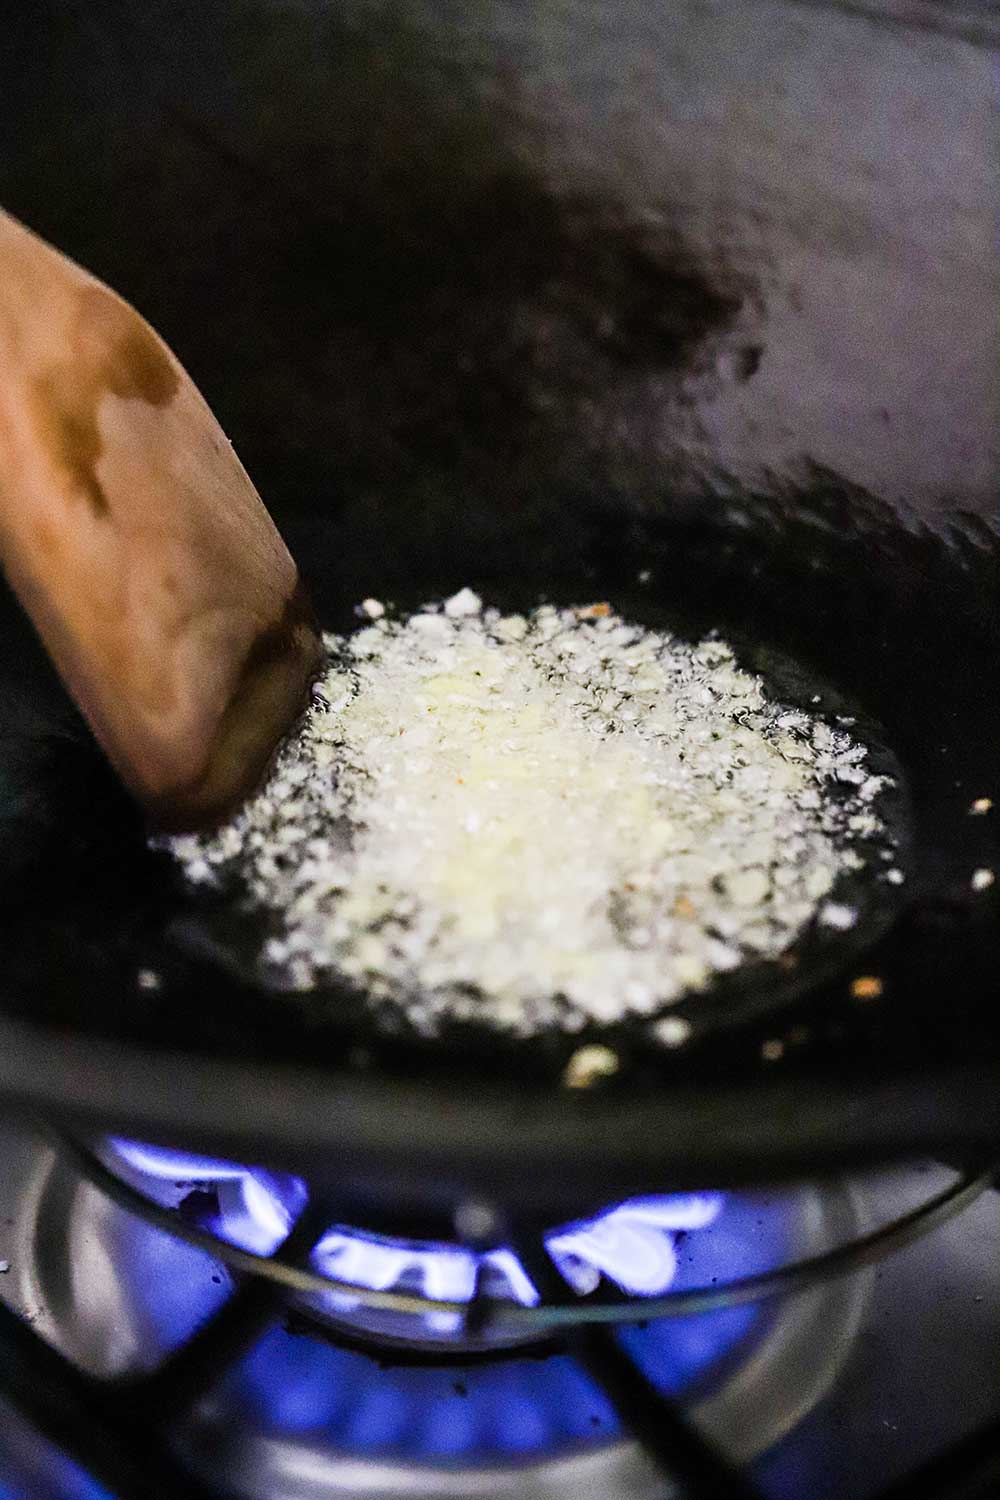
{"x":118,"y":1428}
{"x":558,"y":1313}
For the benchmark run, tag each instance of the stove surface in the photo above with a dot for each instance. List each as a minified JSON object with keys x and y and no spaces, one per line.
{"x":832,"y":1393}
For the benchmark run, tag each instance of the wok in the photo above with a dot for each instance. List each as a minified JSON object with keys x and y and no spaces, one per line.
{"x":444,"y":368}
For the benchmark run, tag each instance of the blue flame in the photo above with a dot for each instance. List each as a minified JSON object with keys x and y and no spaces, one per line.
{"x":300,"y":1387}
{"x":297,"y":1387}
{"x":632,"y":1244}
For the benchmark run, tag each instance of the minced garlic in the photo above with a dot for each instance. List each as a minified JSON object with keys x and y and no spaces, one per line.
{"x":557,"y":818}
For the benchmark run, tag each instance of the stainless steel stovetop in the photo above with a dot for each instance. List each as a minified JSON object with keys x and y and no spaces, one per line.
{"x":829,"y":1394}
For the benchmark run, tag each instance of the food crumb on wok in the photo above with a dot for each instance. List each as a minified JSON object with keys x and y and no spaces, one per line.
{"x":547,"y":819}
{"x":980,"y":806}
{"x":836,"y":914}
{"x":672,"y":1031}
{"x":982,"y":879}
{"x":588,"y":1065}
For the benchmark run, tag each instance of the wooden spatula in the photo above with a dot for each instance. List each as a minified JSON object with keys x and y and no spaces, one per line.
{"x":139,"y":546}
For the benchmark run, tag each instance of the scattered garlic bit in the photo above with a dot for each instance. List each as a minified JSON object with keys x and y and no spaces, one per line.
{"x":462,"y":604}
{"x":511,"y":628}
{"x":672,"y":1031}
{"x":554,"y":819}
{"x":981,"y":805}
{"x":867,"y":987}
{"x":373,"y":608}
{"x":982,"y":879}
{"x":819,"y":881}
{"x":748,"y":887}
{"x":833,"y":914}
{"x":894,"y":876}
{"x":148,"y":979}
{"x":589,"y":1065}
{"x":773,"y":1050}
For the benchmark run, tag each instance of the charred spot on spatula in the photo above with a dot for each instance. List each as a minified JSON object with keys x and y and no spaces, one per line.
{"x":122,"y":351}
{"x":271,"y":690}
{"x":65,"y":413}
{"x":275,"y":640}
{"x":114,"y":352}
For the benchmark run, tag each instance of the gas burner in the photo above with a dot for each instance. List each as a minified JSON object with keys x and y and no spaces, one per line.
{"x":633,"y":1246}
{"x":165,"y":1309}
{"x":361,"y":1426}
{"x":415,"y":1393}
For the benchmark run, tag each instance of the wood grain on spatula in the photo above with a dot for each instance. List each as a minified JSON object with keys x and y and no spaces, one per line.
{"x":139,"y":546}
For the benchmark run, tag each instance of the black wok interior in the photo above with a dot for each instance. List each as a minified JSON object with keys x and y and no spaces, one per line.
{"x":434,"y":368}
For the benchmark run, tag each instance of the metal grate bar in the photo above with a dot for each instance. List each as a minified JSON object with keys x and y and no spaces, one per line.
{"x":866,"y":1250}
{"x":116,"y":1430}
{"x":70,"y":1409}
{"x":174,"y":1387}
{"x":657,"y":1423}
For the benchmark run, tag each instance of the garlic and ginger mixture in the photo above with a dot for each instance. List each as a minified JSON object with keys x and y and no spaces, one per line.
{"x":551,"y":819}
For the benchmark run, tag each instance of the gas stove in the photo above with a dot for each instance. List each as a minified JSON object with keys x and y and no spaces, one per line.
{"x":436,"y":1360}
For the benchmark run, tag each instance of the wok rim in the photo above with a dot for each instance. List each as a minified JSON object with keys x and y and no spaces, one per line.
{"x":533,"y":1144}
